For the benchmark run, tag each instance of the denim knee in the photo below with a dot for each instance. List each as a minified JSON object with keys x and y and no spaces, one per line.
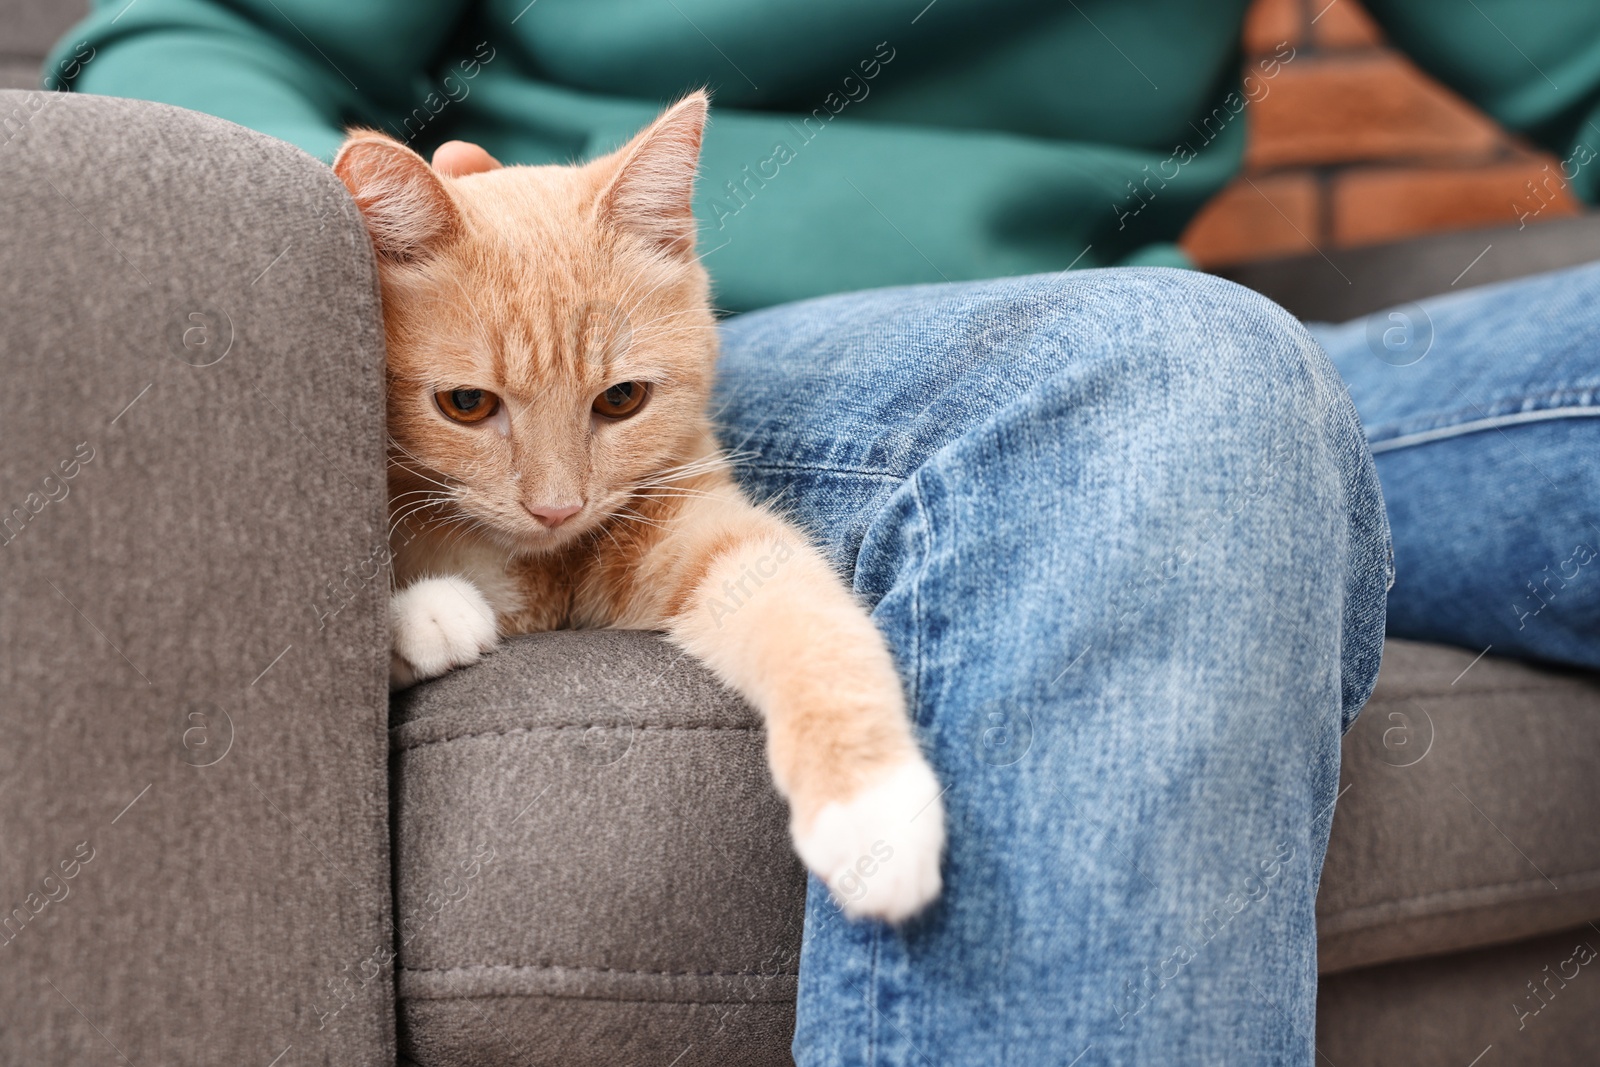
{"x":1214,"y":349}
{"x":1226,"y":420}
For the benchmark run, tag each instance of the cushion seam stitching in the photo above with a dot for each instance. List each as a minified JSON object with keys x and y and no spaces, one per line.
{"x":470,"y":967}
{"x":569,"y":726}
{"x":1444,"y":894}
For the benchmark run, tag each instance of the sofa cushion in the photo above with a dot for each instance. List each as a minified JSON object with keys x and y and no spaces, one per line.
{"x":591,"y":866}
{"x":1468,"y":809}
{"x":591,"y":863}
{"x":1533,"y":1002}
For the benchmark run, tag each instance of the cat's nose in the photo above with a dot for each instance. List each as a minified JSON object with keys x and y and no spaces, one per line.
{"x":551,"y":515}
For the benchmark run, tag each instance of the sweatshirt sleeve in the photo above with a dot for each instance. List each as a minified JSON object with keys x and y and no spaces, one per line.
{"x":300,"y":70}
{"x":1533,"y":65}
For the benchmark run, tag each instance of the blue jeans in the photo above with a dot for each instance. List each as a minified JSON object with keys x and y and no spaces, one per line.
{"x":1125,"y":536}
{"x":1124,"y":533}
{"x":1479,"y":408}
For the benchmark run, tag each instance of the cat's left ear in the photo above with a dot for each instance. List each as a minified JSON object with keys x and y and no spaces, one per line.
{"x":650,"y":192}
{"x":408,"y":211}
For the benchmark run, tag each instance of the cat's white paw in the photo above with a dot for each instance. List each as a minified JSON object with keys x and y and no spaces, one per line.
{"x":879,"y":852}
{"x":438,"y":624}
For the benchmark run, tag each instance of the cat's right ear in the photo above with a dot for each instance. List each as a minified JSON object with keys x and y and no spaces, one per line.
{"x":408,"y":211}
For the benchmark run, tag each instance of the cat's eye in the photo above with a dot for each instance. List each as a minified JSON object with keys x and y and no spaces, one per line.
{"x":622,"y":400}
{"x":467,"y":405}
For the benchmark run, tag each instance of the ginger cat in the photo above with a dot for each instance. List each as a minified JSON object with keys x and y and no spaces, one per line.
{"x":551,"y":349}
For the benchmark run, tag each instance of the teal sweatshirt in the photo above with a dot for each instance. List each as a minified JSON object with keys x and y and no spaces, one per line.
{"x":854,"y":143}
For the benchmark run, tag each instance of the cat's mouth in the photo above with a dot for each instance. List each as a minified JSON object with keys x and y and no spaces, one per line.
{"x":591,"y":521}
{"x":535,"y":539}
{"x":523,"y":531}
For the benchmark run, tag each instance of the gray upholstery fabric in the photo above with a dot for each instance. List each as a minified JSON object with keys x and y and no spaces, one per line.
{"x":592,"y":865}
{"x":652,"y":870}
{"x":1500,"y":1007}
{"x":169,"y":699}
{"x":1469,"y":815}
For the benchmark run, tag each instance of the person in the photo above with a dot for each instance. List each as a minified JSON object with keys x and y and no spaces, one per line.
{"x":1122,"y":526}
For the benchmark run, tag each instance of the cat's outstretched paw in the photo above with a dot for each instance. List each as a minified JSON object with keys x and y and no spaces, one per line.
{"x":438,"y":624}
{"x":879,"y":851}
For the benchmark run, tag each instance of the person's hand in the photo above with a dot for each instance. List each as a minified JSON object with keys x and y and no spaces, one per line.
{"x":455,"y":159}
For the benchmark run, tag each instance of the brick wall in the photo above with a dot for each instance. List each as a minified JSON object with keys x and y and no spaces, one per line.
{"x":1351,"y":144}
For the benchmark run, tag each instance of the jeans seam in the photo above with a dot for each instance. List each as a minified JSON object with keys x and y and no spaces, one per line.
{"x":1556,"y":405}
{"x":887,"y":476}
{"x":913,"y":698}
{"x":872,"y":1001}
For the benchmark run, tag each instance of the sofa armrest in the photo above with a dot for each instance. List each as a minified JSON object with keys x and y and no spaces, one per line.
{"x":193,"y":624}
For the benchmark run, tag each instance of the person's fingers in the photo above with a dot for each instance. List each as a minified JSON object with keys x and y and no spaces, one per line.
{"x":454,"y":159}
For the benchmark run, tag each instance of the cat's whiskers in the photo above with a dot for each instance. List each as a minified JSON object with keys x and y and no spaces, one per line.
{"x":458,"y":527}
{"x":641,"y":327}
{"x":409,"y":468}
{"x":420,"y":492}
{"x":629,"y":301}
{"x":676,"y":493}
{"x":694,"y":466}
{"x":402,"y":449}
{"x":413,"y":470}
{"x":399,"y":513}
{"x":656,"y":336}
{"x":429,"y":498}
{"x":652,"y":332}
{"x":401,"y":519}
{"x":628,"y":514}
{"x":717,"y":461}
{"x":606,"y":529}
{"x":449,"y":490}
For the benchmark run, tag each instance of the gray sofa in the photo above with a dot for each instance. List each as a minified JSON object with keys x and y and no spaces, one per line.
{"x":221,"y":843}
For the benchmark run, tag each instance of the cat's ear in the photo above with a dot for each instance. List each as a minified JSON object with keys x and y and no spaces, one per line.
{"x":408,"y":211}
{"x":650,"y":190}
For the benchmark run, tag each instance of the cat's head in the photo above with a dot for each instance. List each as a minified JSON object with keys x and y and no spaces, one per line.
{"x":550,"y":339}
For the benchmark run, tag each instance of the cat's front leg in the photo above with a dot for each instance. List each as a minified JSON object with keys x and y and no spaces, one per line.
{"x":437,"y":625}
{"x":764,"y":610}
